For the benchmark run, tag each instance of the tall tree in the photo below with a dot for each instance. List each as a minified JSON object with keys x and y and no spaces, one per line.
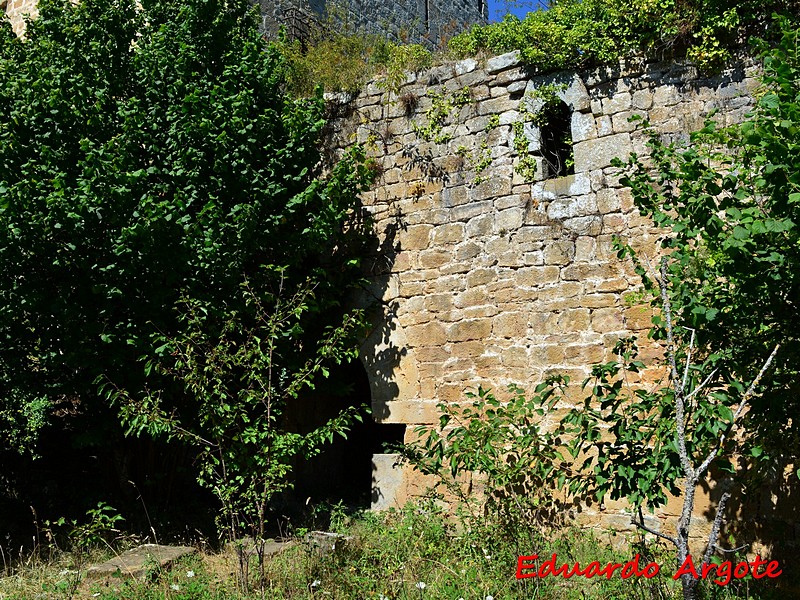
{"x":157,"y":181}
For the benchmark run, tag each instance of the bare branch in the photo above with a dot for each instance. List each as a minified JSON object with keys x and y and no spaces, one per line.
{"x":702,"y":385}
{"x":662,"y":284}
{"x":680,"y":416}
{"x":745,"y":398}
{"x":731,"y":550}
{"x":640,"y":524}
{"x":688,"y":362}
{"x":749,"y":393}
{"x":714,"y":534}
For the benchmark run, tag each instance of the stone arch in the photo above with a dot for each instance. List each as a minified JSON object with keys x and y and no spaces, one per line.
{"x":357,"y":469}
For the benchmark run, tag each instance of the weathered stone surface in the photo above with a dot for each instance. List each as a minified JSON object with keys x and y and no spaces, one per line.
{"x":388,"y":481}
{"x":617,"y":103}
{"x":566,"y":207}
{"x":598,"y":153}
{"x":471,"y":329}
{"x":583,"y":127}
{"x":465,"y":66}
{"x":503,"y":62}
{"x":135,"y":563}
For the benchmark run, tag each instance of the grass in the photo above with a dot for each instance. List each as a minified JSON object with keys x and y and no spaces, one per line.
{"x":414,"y":554}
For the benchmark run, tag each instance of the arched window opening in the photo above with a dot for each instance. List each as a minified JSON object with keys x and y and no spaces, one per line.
{"x":556,"y":140}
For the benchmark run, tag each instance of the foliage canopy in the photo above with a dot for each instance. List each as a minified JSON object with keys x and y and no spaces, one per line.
{"x":584,"y":33}
{"x":155,"y":178}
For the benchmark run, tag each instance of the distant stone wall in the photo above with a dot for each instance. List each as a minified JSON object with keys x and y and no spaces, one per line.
{"x":422,"y":21}
{"x":16,"y":9}
{"x":488,"y":278}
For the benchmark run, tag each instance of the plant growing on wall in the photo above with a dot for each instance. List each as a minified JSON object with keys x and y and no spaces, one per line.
{"x":724,"y":296}
{"x":639,"y":445}
{"x":579,"y":34}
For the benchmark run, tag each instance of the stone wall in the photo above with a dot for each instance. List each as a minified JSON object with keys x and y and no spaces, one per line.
{"x":490,"y":278}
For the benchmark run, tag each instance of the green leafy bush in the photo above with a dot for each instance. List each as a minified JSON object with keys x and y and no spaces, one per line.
{"x":577,"y":34}
{"x":160,"y":189}
{"x":345,"y":62}
{"x":730,"y":205}
{"x":505,"y":446}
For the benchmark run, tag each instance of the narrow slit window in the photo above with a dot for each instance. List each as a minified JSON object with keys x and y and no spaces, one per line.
{"x":556,"y":140}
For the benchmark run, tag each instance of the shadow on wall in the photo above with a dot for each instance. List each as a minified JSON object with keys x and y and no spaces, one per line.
{"x":352,"y":470}
{"x":767,"y":511}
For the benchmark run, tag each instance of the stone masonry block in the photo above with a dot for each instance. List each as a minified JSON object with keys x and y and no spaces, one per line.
{"x":537,"y":276}
{"x":588,"y":225}
{"x":496,"y":185}
{"x":471,"y":210}
{"x":433,"y":259}
{"x":567,"y":207}
{"x":576,"y":319}
{"x":637,"y":318}
{"x":450,"y":233}
{"x":606,"y":320}
{"x":474,"y":296}
{"x":617,"y":103}
{"x":509,"y":220}
{"x":583,"y":127}
{"x":503,"y":62}
{"x":481,"y":277}
{"x":428,"y":334}
{"x":559,"y":253}
{"x":510,"y":325}
{"x":472,"y":329}
{"x":467,"y":251}
{"x":596,"y":154}
{"x":416,"y":237}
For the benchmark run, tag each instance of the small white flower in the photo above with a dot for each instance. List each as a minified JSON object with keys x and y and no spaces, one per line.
{"x":421,"y":585}
{"x":315,"y":583}
{"x":489,"y":598}
{"x":382,"y":597}
{"x":175,"y":587}
{"x":190,"y":573}
{"x":95,"y":595}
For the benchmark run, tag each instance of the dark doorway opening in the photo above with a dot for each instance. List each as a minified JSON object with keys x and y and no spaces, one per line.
{"x":343,"y":470}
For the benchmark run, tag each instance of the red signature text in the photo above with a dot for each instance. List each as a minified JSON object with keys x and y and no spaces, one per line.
{"x":632,"y":568}
{"x":720,"y":573}
{"x":724,"y":572}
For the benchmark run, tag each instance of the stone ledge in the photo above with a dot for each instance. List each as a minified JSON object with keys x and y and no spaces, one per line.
{"x":136,"y":562}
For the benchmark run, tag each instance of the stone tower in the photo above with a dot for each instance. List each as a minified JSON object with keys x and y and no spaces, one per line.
{"x":425,"y":21}
{"x":421,"y":21}
{"x":15,"y":9}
